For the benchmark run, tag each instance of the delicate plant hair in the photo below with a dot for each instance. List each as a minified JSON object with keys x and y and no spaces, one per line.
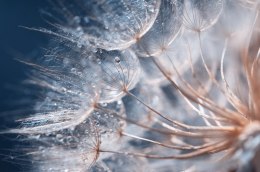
{"x":144,"y":85}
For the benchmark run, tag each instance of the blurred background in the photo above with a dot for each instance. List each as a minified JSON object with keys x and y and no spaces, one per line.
{"x":15,"y":42}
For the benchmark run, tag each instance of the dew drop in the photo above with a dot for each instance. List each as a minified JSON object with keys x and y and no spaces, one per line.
{"x":79,"y":74}
{"x":93,"y":85}
{"x":117,"y":59}
{"x":66,"y":61}
{"x":73,"y":70}
{"x":58,"y":136}
{"x":38,"y":136}
{"x":76,"y":19}
{"x":103,"y":104}
{"x":94,"y":50}
{"x":86,"y":19}
{"x":79,"y":44}
{"x":99,"y":61}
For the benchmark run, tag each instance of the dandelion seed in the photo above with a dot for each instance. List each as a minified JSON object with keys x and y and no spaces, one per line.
{"x":165,"y":29}
{"x":201,"y":14}
{"x":120,"y":73}
{"x":114,"y":25}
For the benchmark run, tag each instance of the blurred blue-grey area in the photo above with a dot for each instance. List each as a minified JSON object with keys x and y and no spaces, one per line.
{"x":16,"y":42}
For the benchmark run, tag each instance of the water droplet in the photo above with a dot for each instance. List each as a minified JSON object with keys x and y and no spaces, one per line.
{"x":93,"y":85}
{"x":94,"y":50}
{"x":79,"y":44}
{"x":117,"y":59}
{"x":86,"y":19}
{"x":66,"y":61}
{"x":58,"y":136}
{"x":79,"y":74}
{"x":98,"y":61}
{"x":37,"y":136}
{"x":119,"y":102}
{"x":103,"y":104}
{"x":76,"y":19}
{"x":73,"y":70}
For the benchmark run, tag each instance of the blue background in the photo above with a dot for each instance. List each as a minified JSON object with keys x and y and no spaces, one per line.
{"x":15,"y":42}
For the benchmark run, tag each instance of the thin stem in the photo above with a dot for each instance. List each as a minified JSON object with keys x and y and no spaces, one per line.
{"x":217,"y":147}
{"x":230,"y":115}
{"x":158,"y":143}
{"x":188,"y":127}
{"x":232,"y":98}
{"x":205,"y":133}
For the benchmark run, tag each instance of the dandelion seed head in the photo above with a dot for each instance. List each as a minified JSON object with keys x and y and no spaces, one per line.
{"x":113,"y":25}
{"x":164,"y":30}
{"x":121,"y":72}
{"x":103,"y":106}
{"x":200,"y":15}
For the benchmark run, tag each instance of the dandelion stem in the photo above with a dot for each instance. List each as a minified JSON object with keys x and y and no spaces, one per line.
{"x":216,"y":148}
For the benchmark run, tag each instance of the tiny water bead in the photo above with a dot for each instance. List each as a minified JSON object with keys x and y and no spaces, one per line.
{"x":86,"y":19}
{"x":73,"y":70}
{"x":117,"y":59}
